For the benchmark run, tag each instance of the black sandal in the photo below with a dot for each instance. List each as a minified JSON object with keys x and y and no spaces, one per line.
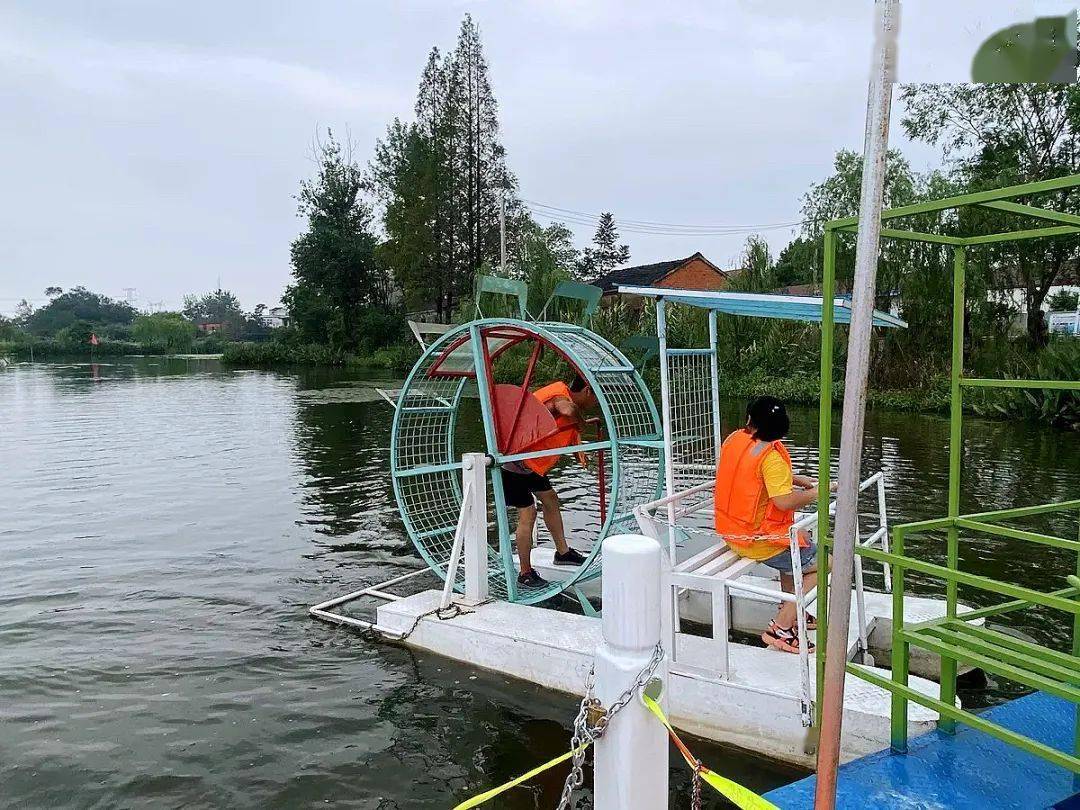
{"x":784,"y":640}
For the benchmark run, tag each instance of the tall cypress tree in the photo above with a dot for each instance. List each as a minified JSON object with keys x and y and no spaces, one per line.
{"x":607,"y":253}
{"x":480,"y":157}
{"x":446,"y":175}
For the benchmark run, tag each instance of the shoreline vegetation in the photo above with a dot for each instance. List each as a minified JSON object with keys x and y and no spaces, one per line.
{"x":405,"y":234}
{"x":800,"y":388}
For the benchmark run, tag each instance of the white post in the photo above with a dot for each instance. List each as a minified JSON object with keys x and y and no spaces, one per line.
{"x":665,"y":418}
{"x":671,"y":596}
{"x":887,"y":13}
{"x":470,"y":535}
{"x":714,"y":366}
{"x":631,"y":759}
{"x":474,"y":476}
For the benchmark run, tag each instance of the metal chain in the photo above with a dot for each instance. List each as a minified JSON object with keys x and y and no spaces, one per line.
{"x":454,"y":609}
{"x":585,"y":733}
{"x":695,"y":786}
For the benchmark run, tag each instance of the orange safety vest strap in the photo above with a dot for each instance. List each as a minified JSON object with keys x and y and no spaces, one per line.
{"x":565,"y":435}
{"x":740,"y":487}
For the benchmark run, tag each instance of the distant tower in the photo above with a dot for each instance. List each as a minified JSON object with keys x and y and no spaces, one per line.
{"x":129,"y":293}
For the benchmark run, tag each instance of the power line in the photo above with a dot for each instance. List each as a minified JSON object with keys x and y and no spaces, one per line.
{"x":561,"y":218}
{"x":558,"y":213}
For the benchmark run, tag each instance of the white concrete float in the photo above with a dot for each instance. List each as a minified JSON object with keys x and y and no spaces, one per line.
{"x":750,"y":613}
{"x":757,"y":708}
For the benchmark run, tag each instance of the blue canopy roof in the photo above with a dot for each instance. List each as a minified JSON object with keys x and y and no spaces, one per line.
{"x":762,"y":305}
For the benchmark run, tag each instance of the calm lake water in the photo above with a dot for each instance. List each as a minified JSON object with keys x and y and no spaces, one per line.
{"x":164,"y":526}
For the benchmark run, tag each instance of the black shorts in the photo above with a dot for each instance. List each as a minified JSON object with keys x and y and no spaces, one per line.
{"x":518,"y":488}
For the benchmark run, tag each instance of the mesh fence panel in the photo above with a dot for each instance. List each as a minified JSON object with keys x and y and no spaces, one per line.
{"x":691,"y":413}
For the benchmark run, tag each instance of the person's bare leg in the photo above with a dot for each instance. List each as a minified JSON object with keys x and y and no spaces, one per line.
{"x":549,"y":502}
{"x":523,"y":537}
{"x":788,"y":614}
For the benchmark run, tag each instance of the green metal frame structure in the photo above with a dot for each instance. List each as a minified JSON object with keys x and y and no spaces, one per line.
{"x":588,"y":295}
{"x":954,"y":638}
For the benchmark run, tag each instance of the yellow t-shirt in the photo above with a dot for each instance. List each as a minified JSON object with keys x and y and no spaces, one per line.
{"x":777,"y":476}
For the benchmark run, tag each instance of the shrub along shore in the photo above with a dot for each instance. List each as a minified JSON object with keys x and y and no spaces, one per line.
{"x":1057,"y":408}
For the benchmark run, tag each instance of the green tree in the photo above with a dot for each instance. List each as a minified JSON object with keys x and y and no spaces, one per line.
{"x":311,"y":315}
{"x":606,"y":253}
{"x":546,"y":257}
{"x":78,"y":306}
{"x":334,"y":259}
{"x":164,"y":331}
{"x":217,"y":307}
{"x":756,"y":267}
{"x":9,"y":330}
{"x":443,"y":179}
{"x":75,"y":336}
{"x":24,"y":310}
{"x":798,"y":263}
{"x":1063,"y":301}
{"x":1004,"y":134}
{"x":406,"y":175}
{"x":479,"y":152}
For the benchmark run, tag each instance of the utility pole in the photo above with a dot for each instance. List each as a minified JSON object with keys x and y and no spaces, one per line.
{"x":502,"y":234}
{"x":879,"y":107}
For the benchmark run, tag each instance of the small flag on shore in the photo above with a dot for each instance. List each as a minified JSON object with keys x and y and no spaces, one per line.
{"x":93,"y":339}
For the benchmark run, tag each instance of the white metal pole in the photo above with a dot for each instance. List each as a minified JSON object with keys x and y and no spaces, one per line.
{"x":455,"y":550}
{"x":714,"y":366}
{"x":631,"y":759}
{"x":474,"y":478}
{"x":887,"y":14}
{"x":883,"y":527}
{"x":665,"y":418}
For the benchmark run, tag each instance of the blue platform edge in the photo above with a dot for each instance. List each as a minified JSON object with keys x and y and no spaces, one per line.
{"x":968,"y":770}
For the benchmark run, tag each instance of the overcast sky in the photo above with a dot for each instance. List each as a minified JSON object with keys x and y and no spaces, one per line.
{"x":157,"y":145}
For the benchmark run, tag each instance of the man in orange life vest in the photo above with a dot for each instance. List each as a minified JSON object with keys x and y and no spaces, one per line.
{"x":755,"y":503}
{"x":522,"y":481}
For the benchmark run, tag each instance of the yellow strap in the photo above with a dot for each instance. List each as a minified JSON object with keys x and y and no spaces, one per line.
{"x":476,"y":801}
{"x":732,"y":791}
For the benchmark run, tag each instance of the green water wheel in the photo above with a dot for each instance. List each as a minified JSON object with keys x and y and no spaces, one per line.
{"x":476,"y":360}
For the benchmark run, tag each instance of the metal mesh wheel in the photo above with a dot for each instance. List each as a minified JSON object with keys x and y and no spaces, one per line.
{"x":425,"y":450}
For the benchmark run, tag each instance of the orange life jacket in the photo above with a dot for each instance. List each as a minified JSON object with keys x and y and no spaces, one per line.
{"x":565,"y":435}
{"x":740,"y":487}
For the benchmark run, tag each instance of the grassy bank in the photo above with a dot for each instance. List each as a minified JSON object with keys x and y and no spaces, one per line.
{"x":398,"y":358}
{"x":45,"y":349}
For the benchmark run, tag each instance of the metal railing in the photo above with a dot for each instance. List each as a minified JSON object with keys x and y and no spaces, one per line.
{"x":957,"y":640}
{"x":709,"y":572}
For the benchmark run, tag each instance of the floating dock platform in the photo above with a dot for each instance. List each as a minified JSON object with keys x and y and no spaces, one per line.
{"x":756,"y":708}
{"x":966,"y":771}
